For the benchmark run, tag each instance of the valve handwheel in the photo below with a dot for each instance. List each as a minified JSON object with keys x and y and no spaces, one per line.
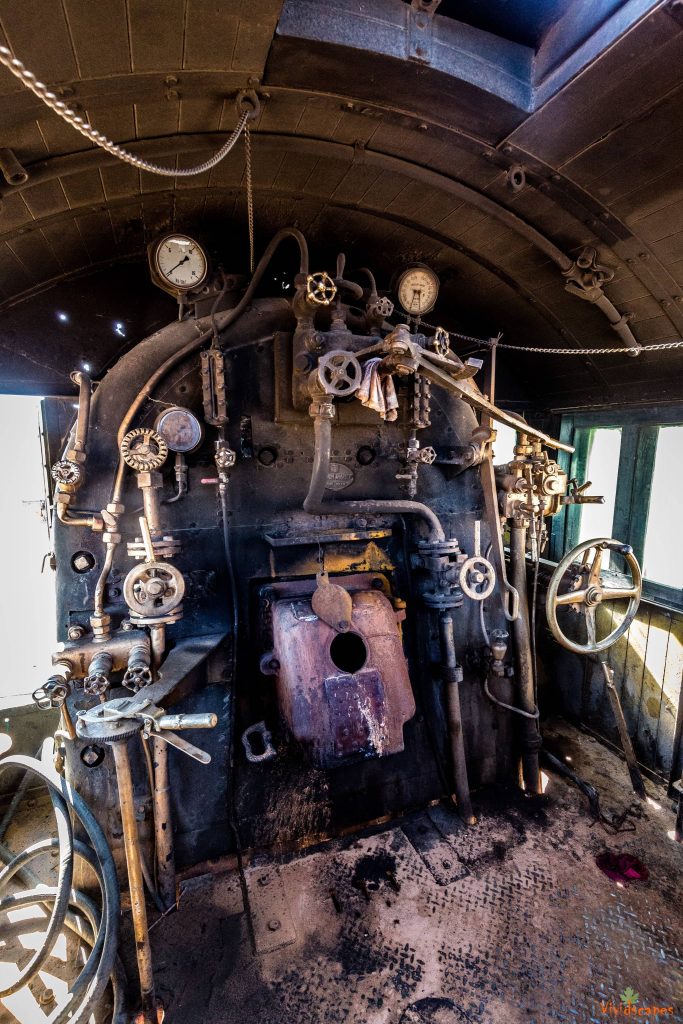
{"x":589,"y":590}
{"x":339,"y":373}
{"x":153,"y":589}
{"x":143,"y":449}
{"x":477,"y":578}
{"x":320,"y":288}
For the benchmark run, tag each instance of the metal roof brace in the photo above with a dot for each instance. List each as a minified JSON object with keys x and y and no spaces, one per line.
{"x":419,"y":25}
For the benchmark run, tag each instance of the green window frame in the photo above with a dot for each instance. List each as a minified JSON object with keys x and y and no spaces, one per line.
{"x":639,"y":435}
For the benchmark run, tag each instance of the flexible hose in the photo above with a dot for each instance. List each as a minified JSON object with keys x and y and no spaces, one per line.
{"x":61,"y":903}
{"x":101,"y":964}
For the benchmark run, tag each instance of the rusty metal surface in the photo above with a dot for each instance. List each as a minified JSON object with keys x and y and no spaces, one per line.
{"x":520,"y":927}
{"x":342,"y":694}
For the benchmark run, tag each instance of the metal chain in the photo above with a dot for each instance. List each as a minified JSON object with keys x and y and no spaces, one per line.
{"x":250,"y":197}
{"x":660,"y":346}
{"x":51,"y":100}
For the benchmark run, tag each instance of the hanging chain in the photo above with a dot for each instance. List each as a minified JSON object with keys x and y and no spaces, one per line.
{"x":68,"y":114}
{"x":250,"y":196}
{"x":489,"y":343}
{"x":660,"y":347}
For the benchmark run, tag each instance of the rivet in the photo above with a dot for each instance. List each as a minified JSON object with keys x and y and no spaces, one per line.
{"x":274,"y":925}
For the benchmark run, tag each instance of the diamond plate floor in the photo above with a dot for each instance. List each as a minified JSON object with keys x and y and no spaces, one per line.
{"x":428,"y":922}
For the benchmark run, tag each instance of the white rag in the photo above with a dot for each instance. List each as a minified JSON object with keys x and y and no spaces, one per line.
{"x":377,"y":392}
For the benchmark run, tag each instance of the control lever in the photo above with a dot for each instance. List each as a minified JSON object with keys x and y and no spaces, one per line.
{"x":120,"y":718}
{"x":576,"y":495}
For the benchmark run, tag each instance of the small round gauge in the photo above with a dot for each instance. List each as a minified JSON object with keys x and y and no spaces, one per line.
{"x":417,"y":289}
{"x":180,"y":262}
{"x":180,"y":429}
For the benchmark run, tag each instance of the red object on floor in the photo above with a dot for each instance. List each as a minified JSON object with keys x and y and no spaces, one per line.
{"x":622,"y":867}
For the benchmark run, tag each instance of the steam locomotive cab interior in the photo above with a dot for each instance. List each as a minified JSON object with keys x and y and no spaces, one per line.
{"x":360,"y":496}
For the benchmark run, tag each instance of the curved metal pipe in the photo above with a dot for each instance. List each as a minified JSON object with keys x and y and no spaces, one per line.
{"x":314,"y":504}
{"x":222,"y":321}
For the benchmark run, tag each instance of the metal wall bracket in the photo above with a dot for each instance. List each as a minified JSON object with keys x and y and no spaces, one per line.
{"x":419,"y":29}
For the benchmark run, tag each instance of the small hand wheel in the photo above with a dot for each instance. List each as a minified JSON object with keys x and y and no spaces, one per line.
{"x":339,"y":373}
{"x":66,"y":472}
{"x":51,"y":695}
{"x":143,"y":449}
{"x":320,"y":288}
{"x":441,"y":342}
{"x":428,"y":455}
{"x":477,"y":578}
{"x":155,"y":588}
{"x":588,"y":591}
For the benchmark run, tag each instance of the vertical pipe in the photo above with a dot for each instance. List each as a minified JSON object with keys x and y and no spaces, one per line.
{"x":163,"y":824}
{"x":135,"y":881}
{"x":163,"y":816}
{"x":525,"y":674}
{"x":453,"y":676}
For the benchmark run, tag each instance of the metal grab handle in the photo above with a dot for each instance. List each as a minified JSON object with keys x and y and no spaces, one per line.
{"x":205,"y":721}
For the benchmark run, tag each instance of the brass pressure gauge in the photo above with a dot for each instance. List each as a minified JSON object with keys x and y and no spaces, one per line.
{"x":418,"y":288}
{"x":180,"y":429}
{"x":178,"y":263}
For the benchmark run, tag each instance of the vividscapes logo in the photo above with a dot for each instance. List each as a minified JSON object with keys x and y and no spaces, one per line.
{"x":628,"y":1006}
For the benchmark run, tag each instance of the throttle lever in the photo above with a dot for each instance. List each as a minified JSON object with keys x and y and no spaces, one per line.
{"x":187,"y":748}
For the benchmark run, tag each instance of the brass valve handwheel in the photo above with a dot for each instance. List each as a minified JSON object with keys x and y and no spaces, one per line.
{"x":153,"y":589}
{"x":441,"y":342}
{"x":320,"y":288}
{"x":589,"y":591}
{"x":143,"y":449}
{"x":339,"y":373}
{"x":66,"y":472}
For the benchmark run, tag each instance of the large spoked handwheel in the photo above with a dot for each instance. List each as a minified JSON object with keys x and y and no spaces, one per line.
{"x":588,"y":590}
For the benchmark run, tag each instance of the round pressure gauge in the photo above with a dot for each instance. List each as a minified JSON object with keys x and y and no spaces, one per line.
{"x":417,"y":289}
{"x":180,"y":429}
{"x":180,"y":262}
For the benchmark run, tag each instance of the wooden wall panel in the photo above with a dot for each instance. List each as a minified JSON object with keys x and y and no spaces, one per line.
{"x":648,"y":668}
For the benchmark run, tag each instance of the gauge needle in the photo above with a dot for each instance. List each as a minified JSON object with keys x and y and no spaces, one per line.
{"x":183,"y":260}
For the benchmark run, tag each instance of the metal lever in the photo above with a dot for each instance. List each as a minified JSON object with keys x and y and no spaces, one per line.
{"x":181,"y":744}
{"x":162,"y":725}
{"x":576,"y":495}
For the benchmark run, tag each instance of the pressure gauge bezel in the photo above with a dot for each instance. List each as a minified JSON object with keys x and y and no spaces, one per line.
{"x":423,"y":268}
{"x":159,"y":276}
{"x":198,"y":430}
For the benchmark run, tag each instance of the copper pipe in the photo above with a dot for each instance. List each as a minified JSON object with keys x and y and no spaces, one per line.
{"x":163,"y":823}
{"x":525,"y":672}
{"x":103,"y":577}
{"x":163,"y":816}
{"x":135,"y":881}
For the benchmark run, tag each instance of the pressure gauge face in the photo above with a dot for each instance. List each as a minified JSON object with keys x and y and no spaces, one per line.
{"x":418,"y":288}
{"x":180,"y":262}
{"x":180,"y":429}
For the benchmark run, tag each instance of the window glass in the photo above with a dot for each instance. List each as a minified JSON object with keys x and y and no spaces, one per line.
{"x":504,"y":445}
{"x":602,"y":469}
{"x":663,"y":554}
{"x":27,"y":604}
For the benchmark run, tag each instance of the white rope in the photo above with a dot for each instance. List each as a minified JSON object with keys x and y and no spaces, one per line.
{"x":51,"y":100}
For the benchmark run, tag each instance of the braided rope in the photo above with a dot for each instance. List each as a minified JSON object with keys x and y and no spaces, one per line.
{"x":63,"y":110}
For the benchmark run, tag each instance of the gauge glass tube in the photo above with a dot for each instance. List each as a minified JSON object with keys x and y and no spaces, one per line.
{"x":180,"y":429}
